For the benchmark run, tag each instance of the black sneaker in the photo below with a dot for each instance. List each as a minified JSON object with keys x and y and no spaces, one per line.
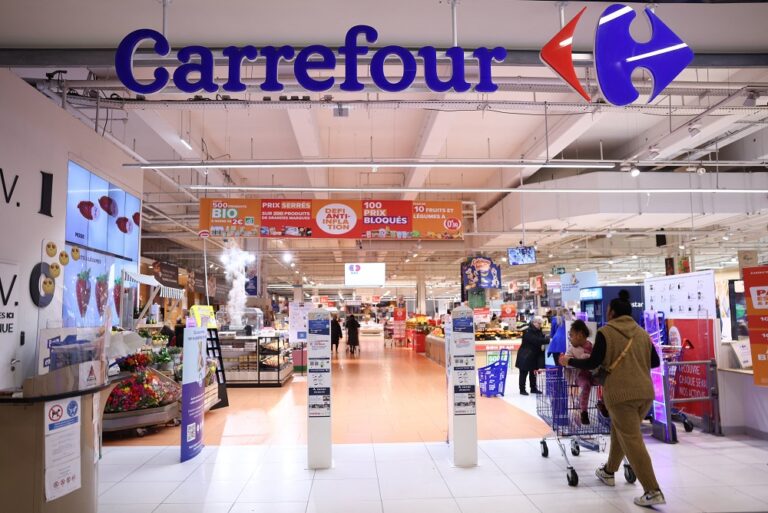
{"x":584,"y":418}
{"x":523,"y":392}
{"x":537,"y":391}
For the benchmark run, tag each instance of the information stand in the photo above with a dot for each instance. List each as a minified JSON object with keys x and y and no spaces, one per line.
{"x":319,"y":452}
{"x":462,"y":388}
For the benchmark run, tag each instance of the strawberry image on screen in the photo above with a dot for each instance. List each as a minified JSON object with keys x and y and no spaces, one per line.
{"x":108,"y":205}
{"x":137,"y":219}
{"x":83,"y":291}
{"x":116,"y":292}
{"x":102,"y":293}
{"x":124,"y":224}
{"x":88,"y":210}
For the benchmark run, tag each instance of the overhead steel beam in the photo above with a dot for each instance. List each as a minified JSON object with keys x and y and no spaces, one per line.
{"x":105,"y":58}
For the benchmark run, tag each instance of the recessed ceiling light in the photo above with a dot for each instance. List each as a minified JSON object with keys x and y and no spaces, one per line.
{"x":681,"y":246}
{"x":551,"y":255}
{"x":634,"y":171}
{"x":634,"y":257}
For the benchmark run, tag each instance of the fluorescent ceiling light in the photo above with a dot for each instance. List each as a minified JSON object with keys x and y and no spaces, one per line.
{"x":468,"y":190}
{"x":370,"y":164}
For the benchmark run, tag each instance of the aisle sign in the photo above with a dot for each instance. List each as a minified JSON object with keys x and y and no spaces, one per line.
{"x":756,"y":295}
{"x":337,"y":219}
{"x":63,"y":465}
{"x":399,"y":323}
{"x":193,"y":392}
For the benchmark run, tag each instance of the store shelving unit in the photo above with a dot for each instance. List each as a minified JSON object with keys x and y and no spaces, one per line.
{"x":256,"y":361}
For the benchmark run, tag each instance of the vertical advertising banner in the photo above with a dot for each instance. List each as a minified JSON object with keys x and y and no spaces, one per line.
{"x":756,"y":295}
{"x":319,"y":371}
{"x":399,"y":322}
{"x":193,"y":392}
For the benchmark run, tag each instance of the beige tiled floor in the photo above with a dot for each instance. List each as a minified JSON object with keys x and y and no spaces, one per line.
{"x":385,"y":395}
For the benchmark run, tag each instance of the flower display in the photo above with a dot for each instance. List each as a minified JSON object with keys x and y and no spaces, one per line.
{"x":143,"y":389}
{"x":133,"y":362}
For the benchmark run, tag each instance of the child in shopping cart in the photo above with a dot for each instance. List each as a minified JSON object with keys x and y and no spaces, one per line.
{"x":580,"y":348}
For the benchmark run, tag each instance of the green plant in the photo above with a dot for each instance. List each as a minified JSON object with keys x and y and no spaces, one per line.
{"x":162,"y":356}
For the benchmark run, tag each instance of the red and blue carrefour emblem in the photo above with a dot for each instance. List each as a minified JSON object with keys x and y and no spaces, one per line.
{"x":354,"y":268}
{"x":617,"y":55}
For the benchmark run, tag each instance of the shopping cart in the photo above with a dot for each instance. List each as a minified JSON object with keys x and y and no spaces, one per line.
{"x":670,"y":353}
{"x":558,"y":406}
{"x":493,"y":377}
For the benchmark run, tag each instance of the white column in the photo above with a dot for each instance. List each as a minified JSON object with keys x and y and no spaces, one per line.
{"x":319,"y":452}
{"x":421,"y":294}
{"x":462,"y":388}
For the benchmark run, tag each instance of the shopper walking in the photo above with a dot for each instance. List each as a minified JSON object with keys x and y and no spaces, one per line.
{"x":625,"y":352}
{"x":530,"y":356}
{"x":336,"y":334}
{"x":353,"y":333}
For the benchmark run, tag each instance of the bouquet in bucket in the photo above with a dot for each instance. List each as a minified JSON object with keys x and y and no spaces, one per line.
{"x":134,"y":362}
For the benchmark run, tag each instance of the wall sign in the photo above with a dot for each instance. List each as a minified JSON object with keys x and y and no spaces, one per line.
{"x":195,"y":67}
{"x":756,"y":294}
{"x":335,"y":219}
{"x":617,"y":55}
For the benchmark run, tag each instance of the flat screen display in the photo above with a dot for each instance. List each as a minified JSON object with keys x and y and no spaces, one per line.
{"x":521,"y":255}
{"x":365,"y":275}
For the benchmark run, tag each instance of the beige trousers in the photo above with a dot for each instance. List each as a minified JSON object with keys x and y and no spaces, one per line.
{"x":626,"y":439}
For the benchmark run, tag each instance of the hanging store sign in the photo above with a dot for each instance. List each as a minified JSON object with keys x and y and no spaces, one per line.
{"x":756,"y":295}
{"x":616,"y":56}
{"x":480,"y":273}
{"x":332,"y":219}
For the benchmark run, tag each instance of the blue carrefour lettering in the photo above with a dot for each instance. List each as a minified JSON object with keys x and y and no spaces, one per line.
{"x":303,"y":65}
{"x":204,"y":68}
{"x":617,"y":54}
{"x":350,"y":51}
{"x":377,"y":68}
{"x":457,"y":81}
{"x":124,"y":61}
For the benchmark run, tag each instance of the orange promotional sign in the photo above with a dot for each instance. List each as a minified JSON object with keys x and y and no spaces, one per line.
{"x":756,"y":296}
{"x":508,"y":311}
{"x":229,"y":217}
{"x":341,"y":219}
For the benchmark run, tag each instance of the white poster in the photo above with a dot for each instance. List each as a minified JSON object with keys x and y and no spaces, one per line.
{"x":62,"y":428}
{"x":319,"y":363}
{"x":9,"y":326}
{"x":682,"y":296}
{"x":297,"y":321}
{"x":571,"y":283}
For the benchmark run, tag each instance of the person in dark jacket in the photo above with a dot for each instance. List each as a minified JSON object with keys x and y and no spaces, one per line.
{"x":336,"y":334}
{"x":530,"y":354}
{"x":353,"y":339}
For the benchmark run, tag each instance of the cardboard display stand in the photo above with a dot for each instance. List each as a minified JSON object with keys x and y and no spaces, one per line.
{"x":319,"y":452}
{"x":462,"y":388}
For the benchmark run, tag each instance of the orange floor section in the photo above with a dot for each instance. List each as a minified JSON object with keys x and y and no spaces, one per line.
{"x":383,"y":395}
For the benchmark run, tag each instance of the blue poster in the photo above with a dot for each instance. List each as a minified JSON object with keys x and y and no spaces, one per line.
{"x":480,"y":273}
{"x":193,"y":392}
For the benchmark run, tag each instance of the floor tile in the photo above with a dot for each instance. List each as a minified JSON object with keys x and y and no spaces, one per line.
{"x":714,"y":499}
{"x":516,"y":504}
{"x":274,"y":489}
{"x":192,"y":492}
{"x":114,"y":473}
{"x":128,"y":508}
{"x":157,"y":473}
{"x":584,"y":501}
{"x":421,"y":506}
{"x":481,"y":486}
{"x":414,"y":488}
{"x":269,"y":507}
{"x":212,"y":472}
{"x":344,"y":505}
{"x":194,"y":508}
{"x":144,"y":493}
{"x":341,"y":490}
{"x":348,"y":469}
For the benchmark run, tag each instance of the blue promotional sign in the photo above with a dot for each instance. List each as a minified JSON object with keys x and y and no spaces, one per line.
{"x":617,"y":55}
{"x":193,"y":392}
{"x":463,"y":324}
{"x":252,"y":286}
{"x":591,"y":294}
{"x":319,"y":326}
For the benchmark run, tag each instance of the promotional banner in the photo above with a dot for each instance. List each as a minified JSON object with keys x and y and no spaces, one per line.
{"x":167,"y":274}
{"x":345,"y":219}
{"x":756,"y":295}
{"x":694,"y":338}
{"x":481,"y":315}
{"x":480,"y":273}
{"x":193,"y":392}
{"x":571,"y":283}
{"x":509,"y":311}
{"x":399,"y":322}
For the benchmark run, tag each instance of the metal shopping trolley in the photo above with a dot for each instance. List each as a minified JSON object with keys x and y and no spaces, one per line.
{"x":674,"y":354}
{"x":559,"y":407}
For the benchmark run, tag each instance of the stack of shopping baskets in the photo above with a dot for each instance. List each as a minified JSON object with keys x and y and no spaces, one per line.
{"x":560,"y":407}
{"x":493,"y":377}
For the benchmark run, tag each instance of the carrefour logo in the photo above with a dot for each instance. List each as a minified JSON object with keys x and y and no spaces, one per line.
{"x":354,"y":268}
{"x":617,"y":55}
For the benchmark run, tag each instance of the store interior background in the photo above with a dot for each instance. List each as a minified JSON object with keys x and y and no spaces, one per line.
{"x":713,"y":120}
